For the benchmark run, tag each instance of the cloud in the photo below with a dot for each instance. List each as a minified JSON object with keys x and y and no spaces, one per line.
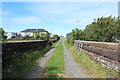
{"x":58,"y":17}
{"x":16,"y":24}
{"x":64,"y":15}
{"x":68,"y":13}
{"x":26,"y":20}
{"x":4,"y":13}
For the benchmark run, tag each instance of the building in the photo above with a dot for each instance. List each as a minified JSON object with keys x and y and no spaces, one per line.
{"x":69,"y":35}
{"x":29,"y":32}
{"x":10,"y":35}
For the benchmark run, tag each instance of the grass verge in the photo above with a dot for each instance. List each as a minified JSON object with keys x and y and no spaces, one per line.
{"x":18,"y":67}
{"x":53,"y":45}
{"x":92,"y":68}
{"x":56,"y":62}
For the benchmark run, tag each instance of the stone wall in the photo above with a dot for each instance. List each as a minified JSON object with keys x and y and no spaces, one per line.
{"x":18,"y":47}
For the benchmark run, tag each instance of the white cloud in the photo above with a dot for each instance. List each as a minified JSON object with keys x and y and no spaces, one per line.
{"x":4,"y":13}
{"x":26,"y":20}
{"x":68,"y":13}
{"x":57,"y":16}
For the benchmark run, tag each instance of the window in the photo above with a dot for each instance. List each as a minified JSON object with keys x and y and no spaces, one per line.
{"x":14,"y":34}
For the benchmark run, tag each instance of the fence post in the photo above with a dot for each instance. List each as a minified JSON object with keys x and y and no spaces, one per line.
{"x":81,"y":45}
{"x":78,"y":44}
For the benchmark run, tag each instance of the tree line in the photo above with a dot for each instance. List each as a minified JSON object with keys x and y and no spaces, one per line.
{"x":104,"y":29}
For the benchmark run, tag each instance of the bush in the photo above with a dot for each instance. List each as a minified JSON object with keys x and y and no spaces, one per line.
{"x":70,"y":40}
{"x":26,"y":38}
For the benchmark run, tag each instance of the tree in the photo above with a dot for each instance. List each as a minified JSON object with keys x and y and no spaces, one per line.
{"x":39,"y":35}
{"x":2,"y":34}
{"x":56,"y":37}
{"x":77,"y":34}
{"x":102,"y":29}
{"x":27,"y":37}
{"x":47,"y":35}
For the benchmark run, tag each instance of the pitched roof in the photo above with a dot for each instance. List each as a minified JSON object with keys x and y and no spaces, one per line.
{"x":32,"y":30}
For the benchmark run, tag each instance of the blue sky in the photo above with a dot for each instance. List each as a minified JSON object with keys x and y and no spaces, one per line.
{"x":56,"y":17}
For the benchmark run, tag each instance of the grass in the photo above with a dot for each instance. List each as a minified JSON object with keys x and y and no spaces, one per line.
{"x":54,"y":44}
{"x":52,"y":39}
{"x":92,"y":68}
{"x":56,"y":62}
{"x":18,"y":67}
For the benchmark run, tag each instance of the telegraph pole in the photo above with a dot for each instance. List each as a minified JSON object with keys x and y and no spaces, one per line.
{"x":78,"y":21}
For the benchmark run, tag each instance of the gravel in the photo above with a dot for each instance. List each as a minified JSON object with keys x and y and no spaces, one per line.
{"x":71,"y":67}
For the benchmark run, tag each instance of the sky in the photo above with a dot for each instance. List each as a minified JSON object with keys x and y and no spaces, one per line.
{"x":56,"y":17}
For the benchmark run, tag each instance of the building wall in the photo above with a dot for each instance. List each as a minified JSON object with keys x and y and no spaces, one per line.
{"x":10,"y":35}
{"x":25,"y":33}
{"x":69,"y":35}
